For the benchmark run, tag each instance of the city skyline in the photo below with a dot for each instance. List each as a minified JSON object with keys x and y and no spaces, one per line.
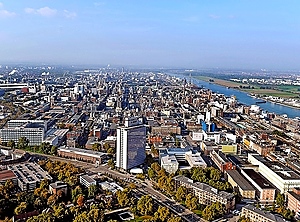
{"x":206,"y":34}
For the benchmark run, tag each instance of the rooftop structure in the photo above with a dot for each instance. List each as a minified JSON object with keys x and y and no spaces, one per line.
{"x":279,"y":175}
{"x":29,"y":175}
{"x":256,"y":215}
{"x":205,"y":193}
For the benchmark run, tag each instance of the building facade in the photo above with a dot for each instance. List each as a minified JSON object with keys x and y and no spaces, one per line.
{"x":131,"y":144}
{"x":205,"y":193}
{"x":282,"y":177}
{"x":238,"y":181}
{"x":256,"y":215}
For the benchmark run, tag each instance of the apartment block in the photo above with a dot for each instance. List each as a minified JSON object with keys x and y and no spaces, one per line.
{"x":256,"y":215}
{"x":205,"y":193}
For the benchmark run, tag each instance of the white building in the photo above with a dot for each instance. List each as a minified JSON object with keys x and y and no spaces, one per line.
{"x":282,"y":177}
{"x":195,"y":160}
{"x":131,"y":143}
{"x":169,"y":163}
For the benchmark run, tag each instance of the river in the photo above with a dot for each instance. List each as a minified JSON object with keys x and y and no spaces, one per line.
{"x":244,"y":98}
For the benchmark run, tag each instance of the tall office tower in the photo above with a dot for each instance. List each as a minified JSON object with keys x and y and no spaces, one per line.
{"x":131,"y":142}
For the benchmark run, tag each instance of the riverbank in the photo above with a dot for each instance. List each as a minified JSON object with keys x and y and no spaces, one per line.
{"x":251,"y":92}
{"x":248,"y":88}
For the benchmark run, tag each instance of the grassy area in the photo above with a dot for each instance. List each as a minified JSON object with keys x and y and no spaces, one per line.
{"x":140,"y":219}
{"x":198,"y":212}
{"x":283,"y":91}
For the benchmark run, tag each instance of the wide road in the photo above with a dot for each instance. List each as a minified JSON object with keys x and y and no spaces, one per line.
{"x":143,"y":186}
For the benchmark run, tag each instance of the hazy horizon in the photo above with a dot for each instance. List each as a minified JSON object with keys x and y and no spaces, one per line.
{"x":153,"y":34}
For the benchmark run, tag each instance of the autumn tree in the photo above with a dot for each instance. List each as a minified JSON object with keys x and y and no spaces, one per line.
{"x":21,"y":208}
{"x":162,"y":214}
{"x":145,"y":205}
{"x":80,"y":200}
{"x":191,"y":202}
{"x":180,"y":194}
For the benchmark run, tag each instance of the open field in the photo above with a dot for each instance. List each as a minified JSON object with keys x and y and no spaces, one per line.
{"x":283,"y":91}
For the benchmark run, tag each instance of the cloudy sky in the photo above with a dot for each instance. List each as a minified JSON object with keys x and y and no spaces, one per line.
{"x":152,"y":33}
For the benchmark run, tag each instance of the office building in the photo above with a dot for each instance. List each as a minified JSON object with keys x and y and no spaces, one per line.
{"x":131,"y":143}
{"x":33,"y":130}
{"x":29,"y":175}
{"x":169,"y":163}
{"x":81,"y":154}
{"x":57,"y":186}
{"x":87,"y":181}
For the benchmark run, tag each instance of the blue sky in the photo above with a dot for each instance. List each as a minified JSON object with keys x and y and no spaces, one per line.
{"x":152,"y":33}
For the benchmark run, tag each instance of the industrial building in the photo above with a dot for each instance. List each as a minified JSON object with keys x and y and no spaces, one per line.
{"x":81,"y":154}
{"x":282,"y":177}
{"x":236,"y":180}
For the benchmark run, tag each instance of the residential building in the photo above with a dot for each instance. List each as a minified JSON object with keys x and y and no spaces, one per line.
{"x":131,"y":143}
{"x":205,"y":193}
{"x":256,"y":215}
{"x":236,"y":180}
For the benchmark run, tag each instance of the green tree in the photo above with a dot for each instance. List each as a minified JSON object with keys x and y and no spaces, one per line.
{"x":151,"y":174}
{"x":11,"y":144}
{"x":96,"y":147}
{"x":280,"y":200}
{"x":106,"y":146}
{"x":96,"y":215}
{"x":145,"y":205}
{"x":23,"y":142}
{"x":92,"y":190}
{"x":75,"y":192}
{"x":44,"y":184}
{"x":111,"y":151}
{"x":123,"y":197}
{"x":174,"y":219}
{"x":156,"y":167}
{"x":111,"y":163}
{"x":82,"y":217}
{"x":214,"y":211}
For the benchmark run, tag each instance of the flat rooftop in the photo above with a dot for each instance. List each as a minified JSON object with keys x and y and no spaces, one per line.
{"x":259,"y":179}
{"x":240,"y":180}
{"x":29,"y":172}
{"x":281,"y":170}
